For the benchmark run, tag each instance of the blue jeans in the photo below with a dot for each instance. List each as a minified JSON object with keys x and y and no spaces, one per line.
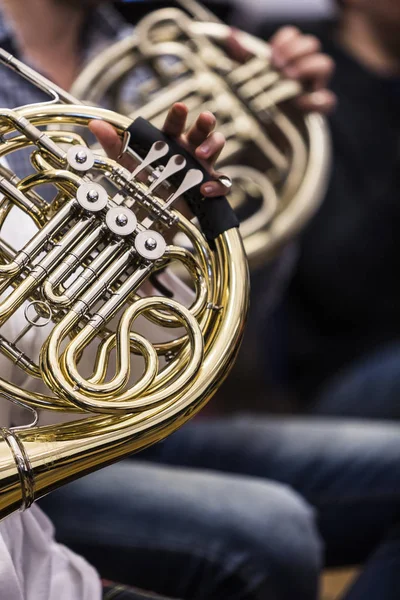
{"x":369,"y":388}
{"x":380,"y":579}
{"x":218,"y":516}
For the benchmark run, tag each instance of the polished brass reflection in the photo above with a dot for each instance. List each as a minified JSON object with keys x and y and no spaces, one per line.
{"x":84,"y":274}
{"x":277,"y":158}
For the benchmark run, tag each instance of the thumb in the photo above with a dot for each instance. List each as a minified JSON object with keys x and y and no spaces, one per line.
{"x":108,"y":138}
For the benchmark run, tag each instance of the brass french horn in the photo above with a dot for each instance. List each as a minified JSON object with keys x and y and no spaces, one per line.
{"x":277,"y":157}
{"x":84,"y":276}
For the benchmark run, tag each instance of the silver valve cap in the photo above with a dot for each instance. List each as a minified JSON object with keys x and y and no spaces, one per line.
{"x":150,"y":244}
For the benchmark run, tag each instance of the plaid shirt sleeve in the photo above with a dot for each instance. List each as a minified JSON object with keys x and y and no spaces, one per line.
{"x":103,"y":27}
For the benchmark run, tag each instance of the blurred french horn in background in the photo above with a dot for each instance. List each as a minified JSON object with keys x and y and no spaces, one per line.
{"x":277,"y":157}
{"x":73,"y":293}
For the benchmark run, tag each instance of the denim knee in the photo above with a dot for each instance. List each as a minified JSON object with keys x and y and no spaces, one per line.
{"x":226,"y":536}
{"x":271,"y":533}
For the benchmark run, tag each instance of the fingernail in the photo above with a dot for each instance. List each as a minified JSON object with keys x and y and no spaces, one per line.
{"x":208,"y":189}
{"x":209,"y":113}
{"x":204,"y":149}
{"x":318,"y":98}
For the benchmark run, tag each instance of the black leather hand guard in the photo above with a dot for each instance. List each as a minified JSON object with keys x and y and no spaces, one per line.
{"x":214,"y":214}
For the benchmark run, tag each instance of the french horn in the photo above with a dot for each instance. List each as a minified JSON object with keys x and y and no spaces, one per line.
{"x":277,"y":157}
{"x":90,"y":271}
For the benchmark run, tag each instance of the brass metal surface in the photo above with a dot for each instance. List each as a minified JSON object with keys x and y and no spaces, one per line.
{"x":89,"y":285}
{"x":277,"y":157}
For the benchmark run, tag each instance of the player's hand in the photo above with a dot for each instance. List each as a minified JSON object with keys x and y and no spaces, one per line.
{"x":200,"y":139}
{"x":298,"y":56}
